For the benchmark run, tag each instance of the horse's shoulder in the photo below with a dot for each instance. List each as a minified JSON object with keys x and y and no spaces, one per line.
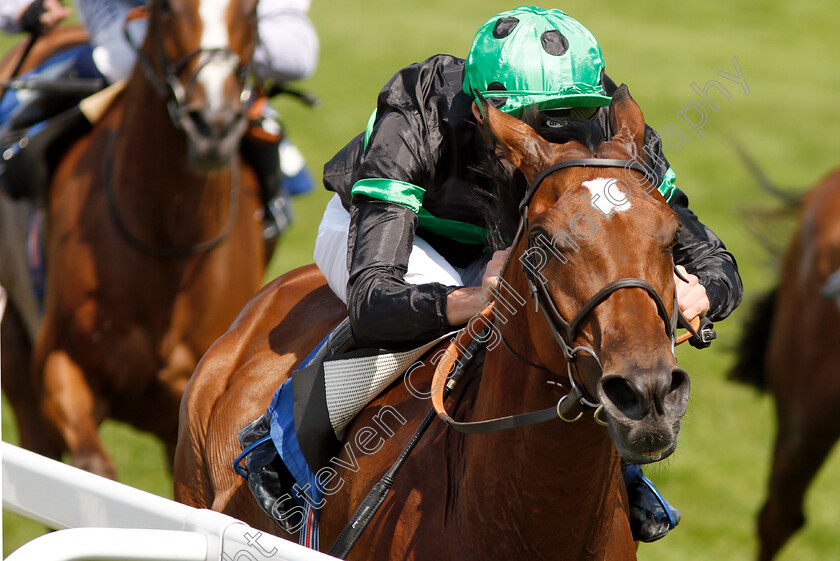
{"x":304,"y":286}
{"x":279,"y":325}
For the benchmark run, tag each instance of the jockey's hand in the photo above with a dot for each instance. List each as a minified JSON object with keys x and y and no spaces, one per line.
{"x":691,"y":295}
{"x":464,"y":303}
{"x":41,"y":18}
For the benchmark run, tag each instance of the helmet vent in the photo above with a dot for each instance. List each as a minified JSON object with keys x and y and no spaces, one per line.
{"x":554,"y":43}
{"x":496,"y":101}
{"x":504,"y":26}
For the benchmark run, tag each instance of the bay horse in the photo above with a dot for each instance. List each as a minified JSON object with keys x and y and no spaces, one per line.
{"x":790,"y":347}
{"x":547,"y":491}
{"x":153,"y":240}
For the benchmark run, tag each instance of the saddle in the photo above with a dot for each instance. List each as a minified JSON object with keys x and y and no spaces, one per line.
{"x":41,"y":116}
{"x":301,"y":431}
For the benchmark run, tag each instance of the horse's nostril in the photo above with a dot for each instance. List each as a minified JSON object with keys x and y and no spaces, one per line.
{"x":676,"y":399}
{"x":215,"y":124}
{"x":678,"y":378}
{"x":623,"y":397}
{"x":200,"y":123}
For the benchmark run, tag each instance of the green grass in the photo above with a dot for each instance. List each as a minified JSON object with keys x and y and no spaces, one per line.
{"x":787,"y":52}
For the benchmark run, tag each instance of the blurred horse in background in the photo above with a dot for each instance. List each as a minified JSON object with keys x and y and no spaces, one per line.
{"x":153,"y":239}
{"x":791,"y":348}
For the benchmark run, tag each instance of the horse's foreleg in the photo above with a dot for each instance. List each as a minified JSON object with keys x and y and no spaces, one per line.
{"x":68,"y":403}
{"x":802,"y":445}
{"x":621,"y":544}
{"x":172,"y":379}
{"x":19,"y":386}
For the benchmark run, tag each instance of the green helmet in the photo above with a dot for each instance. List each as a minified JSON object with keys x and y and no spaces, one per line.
{"x":530,"y":56}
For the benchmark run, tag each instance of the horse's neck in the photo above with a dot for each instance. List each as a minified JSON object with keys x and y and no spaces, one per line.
{"x":545,"y":491}
{"x":154,"y":184}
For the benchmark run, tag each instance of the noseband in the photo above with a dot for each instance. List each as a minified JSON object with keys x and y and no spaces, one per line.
{"x":565,"y":332}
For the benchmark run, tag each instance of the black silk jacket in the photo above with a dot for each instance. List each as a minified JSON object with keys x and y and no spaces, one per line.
{"x":410,"y":173}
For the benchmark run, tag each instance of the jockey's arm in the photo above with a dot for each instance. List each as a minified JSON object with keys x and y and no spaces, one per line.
{"x":703,"y":254}
{"x":288,"y":43}
{"x":465,"y":303}
{"x":384,"y":309}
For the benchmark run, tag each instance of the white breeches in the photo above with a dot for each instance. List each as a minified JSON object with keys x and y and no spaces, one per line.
{"x":425,"y":264}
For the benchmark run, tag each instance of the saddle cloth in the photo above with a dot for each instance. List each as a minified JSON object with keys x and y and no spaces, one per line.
{"x":310,"y":411}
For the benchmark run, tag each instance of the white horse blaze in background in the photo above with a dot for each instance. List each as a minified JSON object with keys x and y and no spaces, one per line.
{"x":608,"y":196}
{"x":215,"y":71}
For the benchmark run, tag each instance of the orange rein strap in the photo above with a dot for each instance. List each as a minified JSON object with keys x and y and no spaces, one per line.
{"x":449,"y":370}
{"x":451,"y":367}
{"x":695,"y":325}
{"x":450,"y":360}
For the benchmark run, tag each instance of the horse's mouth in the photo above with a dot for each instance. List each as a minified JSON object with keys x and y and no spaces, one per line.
{"x":640,"y":443}
{"x":643,"y":412}
{"x":213,"y":149}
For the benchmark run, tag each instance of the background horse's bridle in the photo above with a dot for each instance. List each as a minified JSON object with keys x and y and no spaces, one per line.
{"x":169,"y":86}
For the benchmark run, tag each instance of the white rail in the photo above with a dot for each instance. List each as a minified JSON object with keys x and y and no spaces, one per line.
{"x":110,"y":520}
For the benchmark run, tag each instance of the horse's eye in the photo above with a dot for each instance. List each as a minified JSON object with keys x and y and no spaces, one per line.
{"x":537,"y":237}
{"x":676,"y":238}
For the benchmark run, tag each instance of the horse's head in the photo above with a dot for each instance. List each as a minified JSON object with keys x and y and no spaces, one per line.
{"x":197,"y":55}
{"x":595,"y":247}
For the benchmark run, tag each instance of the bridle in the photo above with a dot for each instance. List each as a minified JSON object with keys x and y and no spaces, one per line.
{"x":564,"y":332}
{"x":169,"y":87}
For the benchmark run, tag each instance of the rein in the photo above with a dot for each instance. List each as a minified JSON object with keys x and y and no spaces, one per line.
{"x":169,"y":87}
{"x":564,"y":332}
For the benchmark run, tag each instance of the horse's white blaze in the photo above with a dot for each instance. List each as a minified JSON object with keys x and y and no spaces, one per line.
{"x":608,"y":195}
{"x":214,"y":35}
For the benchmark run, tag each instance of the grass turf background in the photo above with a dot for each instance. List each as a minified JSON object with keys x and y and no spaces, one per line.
{"x":788,"y":120}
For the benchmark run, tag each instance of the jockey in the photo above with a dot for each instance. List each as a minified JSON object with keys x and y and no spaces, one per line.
{"x":402,"y":242}
{"x":287,"y":50}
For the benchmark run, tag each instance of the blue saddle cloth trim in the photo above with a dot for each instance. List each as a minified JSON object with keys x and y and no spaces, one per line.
{"x":284,"y":437}
{"x":305,"y":362}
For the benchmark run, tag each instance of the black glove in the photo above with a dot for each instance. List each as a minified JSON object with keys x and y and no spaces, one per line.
{"x":30,"y":20}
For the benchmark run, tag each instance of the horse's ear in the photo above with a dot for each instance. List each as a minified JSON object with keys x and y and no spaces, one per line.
{"x":627,"y":121}
{"x":520,"y":143}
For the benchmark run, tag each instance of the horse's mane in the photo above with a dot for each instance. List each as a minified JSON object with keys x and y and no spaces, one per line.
{"x":498,"y":200}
